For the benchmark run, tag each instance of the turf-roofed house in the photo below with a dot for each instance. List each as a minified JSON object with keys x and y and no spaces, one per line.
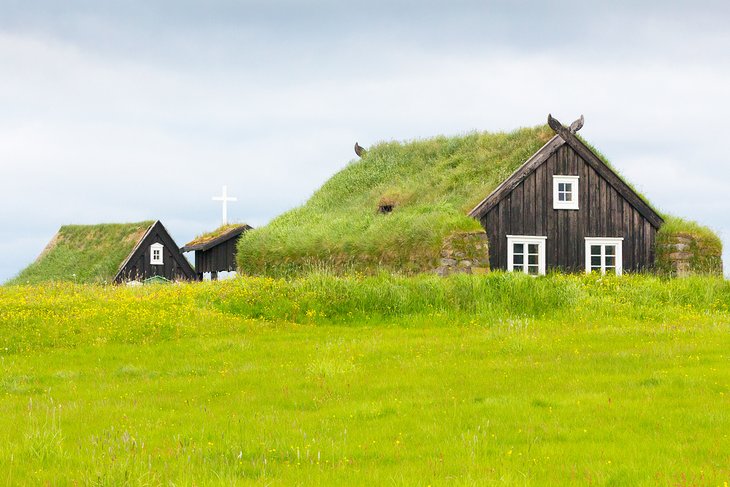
{"x":565,"y":208}
{"x":533,"y":200}
{"x":109,"y":253}
{"x":216,"y":251}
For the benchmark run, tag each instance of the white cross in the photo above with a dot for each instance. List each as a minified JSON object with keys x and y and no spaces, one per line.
{"x":225,"y":199}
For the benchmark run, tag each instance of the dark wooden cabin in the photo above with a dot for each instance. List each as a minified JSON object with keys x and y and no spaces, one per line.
{"x":216,"y":252}
{"x":156,"y":254}
{"x":564,"y":208}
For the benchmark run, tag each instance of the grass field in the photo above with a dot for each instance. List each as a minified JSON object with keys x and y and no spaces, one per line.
{"x":497,"y":379}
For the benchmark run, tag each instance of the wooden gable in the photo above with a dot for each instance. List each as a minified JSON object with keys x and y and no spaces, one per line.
{"x":138,"y":266}
{"x":608,"y":207}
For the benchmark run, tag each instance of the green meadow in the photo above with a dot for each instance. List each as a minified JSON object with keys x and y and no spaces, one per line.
{"x":382,"y":380}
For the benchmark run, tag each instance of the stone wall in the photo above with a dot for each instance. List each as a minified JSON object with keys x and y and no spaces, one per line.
{"x":464,"y":252}
{"x":684,"y":254}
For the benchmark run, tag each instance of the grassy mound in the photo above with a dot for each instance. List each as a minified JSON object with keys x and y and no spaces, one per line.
{"x":84,"y":253}
{"x":430,"y":184}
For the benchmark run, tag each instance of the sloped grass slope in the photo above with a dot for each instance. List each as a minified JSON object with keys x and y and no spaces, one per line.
{"x":431,"y":186}
{"x":84,"y":253}
{"x":500,"y":379}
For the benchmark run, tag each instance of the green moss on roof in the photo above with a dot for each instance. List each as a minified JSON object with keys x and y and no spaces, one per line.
{"x":212,"y":235}
{"x":432,"y":185}
{"x":84,"y":253}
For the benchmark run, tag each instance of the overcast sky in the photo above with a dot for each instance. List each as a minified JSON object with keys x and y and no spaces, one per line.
{"x":132,"y":110}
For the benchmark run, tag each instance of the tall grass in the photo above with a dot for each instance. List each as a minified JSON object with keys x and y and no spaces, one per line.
{"x":58,"y":315}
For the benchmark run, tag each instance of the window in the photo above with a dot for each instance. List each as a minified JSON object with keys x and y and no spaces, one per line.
{"x":156,"y":254}
{"x":603,"y":254}
{"x":565,"y":192}
{"x":526,"y":254}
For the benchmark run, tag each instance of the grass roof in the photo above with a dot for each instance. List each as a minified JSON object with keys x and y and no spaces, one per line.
{"x":212,"y":235}
{"x":84,"y":253}
{"x":431,"y":184}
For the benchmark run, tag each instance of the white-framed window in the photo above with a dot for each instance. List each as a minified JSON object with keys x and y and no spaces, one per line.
{"x":526,"y":254}
{"x":604,"y":255}
{"x":156,"y":254}
{"x":565,"y":192}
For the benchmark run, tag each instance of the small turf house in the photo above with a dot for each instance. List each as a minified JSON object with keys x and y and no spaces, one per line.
{"x":565,"y":208}
{"x":109,"y":253}
{"x":216,"y":251}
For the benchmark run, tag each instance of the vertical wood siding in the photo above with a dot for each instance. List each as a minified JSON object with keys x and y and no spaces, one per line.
{"x":221,"y":257}
{"x":174,"y":267}
{"x":603,"y":212}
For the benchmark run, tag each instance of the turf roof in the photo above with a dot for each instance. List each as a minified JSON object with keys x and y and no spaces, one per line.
{"x":431,"y":184}
{"x":202,"y":241}
{"x":84,"y":253}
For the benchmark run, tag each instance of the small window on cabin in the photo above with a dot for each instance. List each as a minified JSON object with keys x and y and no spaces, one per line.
{"x":565,"y":192}
{"x":604,"y":255}
{"x":156,"y":254}
{"x":526,"y":254}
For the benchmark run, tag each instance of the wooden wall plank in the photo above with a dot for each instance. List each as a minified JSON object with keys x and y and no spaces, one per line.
{"x":650,"y":232}
{"x":637,"y":239}
{"x":575,"y":240}
{"x":628,"y":248}
{"x":551,"y":248}
{"x":529,"y":205}
{"x":592,"y":189}
{"x":581,"y":214}
{"x":540,"y":200}
{"x":504,"y":224}
{"x":517,"y":206}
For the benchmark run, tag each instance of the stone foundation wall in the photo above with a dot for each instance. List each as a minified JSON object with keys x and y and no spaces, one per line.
{"x":683,"y":254}
{"x":464,"y":252}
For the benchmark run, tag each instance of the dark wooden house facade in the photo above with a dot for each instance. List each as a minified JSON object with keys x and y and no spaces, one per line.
{"x":217,"y":252}
{"x":564,"y":208}
{"x":155,"y":255}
